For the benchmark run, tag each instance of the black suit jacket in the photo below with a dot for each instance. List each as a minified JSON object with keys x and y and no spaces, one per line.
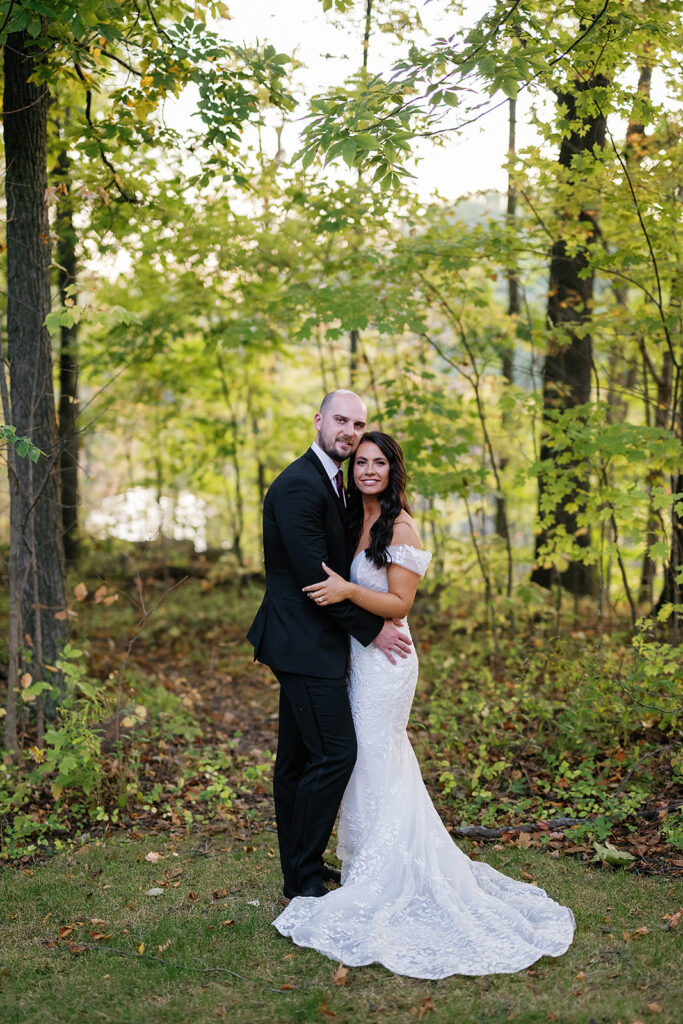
{"x":304,"y":524}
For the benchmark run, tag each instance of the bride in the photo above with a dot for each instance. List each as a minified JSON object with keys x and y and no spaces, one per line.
{"x":410,"y":899}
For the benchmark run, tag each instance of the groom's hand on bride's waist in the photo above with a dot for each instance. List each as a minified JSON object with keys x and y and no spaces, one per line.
{"x":393,"y":642}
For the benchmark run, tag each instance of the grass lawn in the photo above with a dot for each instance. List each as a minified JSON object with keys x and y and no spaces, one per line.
{"x":213,"y":917}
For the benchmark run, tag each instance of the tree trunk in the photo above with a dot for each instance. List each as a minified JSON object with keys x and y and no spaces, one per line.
{"x":507,"y":367}
{"x":37,"y":579}
{"x":567,"y":368}
{"x":67,"y":271}
{"x":354,"y":346}
{"x":662,"y":410}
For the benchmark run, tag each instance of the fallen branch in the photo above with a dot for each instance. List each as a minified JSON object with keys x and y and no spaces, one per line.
{"x":557,"y":824}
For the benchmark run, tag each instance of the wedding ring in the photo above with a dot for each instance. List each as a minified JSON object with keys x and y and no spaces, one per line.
{"x":319,"y":600}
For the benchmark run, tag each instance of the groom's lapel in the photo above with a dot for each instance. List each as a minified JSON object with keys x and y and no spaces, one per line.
{"x":341,"y":511}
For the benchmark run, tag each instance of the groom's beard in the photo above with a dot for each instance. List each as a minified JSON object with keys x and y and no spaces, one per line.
{"x":331,"y":445}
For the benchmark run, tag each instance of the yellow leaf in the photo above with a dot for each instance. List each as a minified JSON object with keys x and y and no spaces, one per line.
{"x":146,"y":81}
{"x":141,"y":948}
{"x":80,"y":591}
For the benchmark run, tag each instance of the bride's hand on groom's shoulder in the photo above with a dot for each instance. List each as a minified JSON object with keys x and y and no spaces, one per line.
{"x":330,"y":591}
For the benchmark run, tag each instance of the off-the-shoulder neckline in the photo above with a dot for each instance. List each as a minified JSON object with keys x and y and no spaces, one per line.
{"x":410,"y":547}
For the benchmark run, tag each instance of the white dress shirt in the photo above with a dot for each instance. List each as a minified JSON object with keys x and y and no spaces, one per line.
{"x":330,"y":467}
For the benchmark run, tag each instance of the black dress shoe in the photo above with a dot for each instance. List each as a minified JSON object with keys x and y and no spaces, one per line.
{"x":317,"y":889}
{"x":331,"y":874}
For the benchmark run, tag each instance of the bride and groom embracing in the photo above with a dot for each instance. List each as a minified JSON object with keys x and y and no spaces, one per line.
{"x":342,"y":570}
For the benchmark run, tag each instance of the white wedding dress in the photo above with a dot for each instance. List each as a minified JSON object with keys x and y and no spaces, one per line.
{"x":410,"y":898}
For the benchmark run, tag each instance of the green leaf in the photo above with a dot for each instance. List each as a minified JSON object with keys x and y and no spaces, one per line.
{"x":510,"y":87}
{"x":348,"y":151}
{"x":608,"y":854}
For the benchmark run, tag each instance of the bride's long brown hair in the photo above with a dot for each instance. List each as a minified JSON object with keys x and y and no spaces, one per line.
{"x":391,"y":501}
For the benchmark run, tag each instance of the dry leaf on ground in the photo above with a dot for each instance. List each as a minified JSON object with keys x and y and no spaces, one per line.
{"x":341,"y":975}
{"x":426,"y":1006}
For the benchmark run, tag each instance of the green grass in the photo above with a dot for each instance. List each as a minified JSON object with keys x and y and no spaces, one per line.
{"x":49,"y":984}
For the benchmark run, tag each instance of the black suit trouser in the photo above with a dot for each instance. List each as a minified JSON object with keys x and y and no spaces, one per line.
{"x":316,"y":753}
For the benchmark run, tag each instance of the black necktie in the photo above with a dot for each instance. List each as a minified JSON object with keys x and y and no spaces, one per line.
{"x":339,"y":481}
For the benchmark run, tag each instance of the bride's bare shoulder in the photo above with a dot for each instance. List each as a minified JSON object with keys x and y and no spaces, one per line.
{"x":406,"y":531}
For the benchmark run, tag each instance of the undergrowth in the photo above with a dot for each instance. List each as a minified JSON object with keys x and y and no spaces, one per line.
{"x":582,"y":726}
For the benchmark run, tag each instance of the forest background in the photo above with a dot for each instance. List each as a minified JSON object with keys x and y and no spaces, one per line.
{"x":181,"y":291}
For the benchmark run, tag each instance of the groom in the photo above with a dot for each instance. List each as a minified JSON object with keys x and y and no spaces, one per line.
{"x":304,"y":524}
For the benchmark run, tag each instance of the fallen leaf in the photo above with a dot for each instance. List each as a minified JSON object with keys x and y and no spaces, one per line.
{"x":527,"y":877}
{"x":49,"y":915}
{"x":580,"y":976}
{"x":674,"y":919}
{"x":286,"y":987}
{"x":65,"y":931}
{"x":96,"y":936}
{"x":193,"y":897}
{"x":141,"y":948}
{"x":426,"y":1006}
{"x":162,"y":949}
{"x":654,"y":1007}
{"x":219,"y":894}
{"x":152,"y":857}
{"x":341,"y":975}
{"x":97,"y":920}
{"x":636,"y":934}
{"x":608,"y":854}
{"x":75,"y":948}
{"x":328,"y":1013}
{"x":154,"y":891}
{"x":524,"y":840}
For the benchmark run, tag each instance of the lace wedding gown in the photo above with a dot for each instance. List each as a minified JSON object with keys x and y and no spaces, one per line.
{"x":410,"y":898}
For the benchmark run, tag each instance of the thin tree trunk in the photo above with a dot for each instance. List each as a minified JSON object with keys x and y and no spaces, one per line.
{"x":35,"y":511}
{"x":354,"y":345}
{"x":502,"y":528}
{"x":568,"y":364}
{"x":11,"y":740}
{"x":67,"y":271}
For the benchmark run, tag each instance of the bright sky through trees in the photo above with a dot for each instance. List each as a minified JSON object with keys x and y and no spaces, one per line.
{"x":330,"y":51}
